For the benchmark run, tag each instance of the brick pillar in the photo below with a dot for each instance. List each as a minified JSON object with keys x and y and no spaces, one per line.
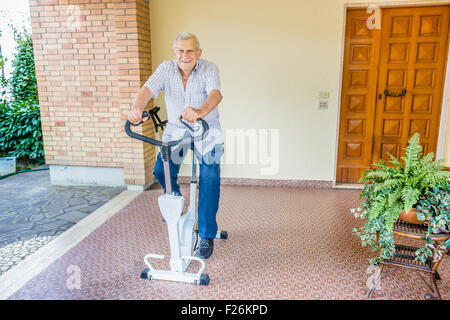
{"x":91,"y":58}
{"x":132,"y":22}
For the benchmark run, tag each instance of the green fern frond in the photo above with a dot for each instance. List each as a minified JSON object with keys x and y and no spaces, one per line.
{"x":434,"y":178}
{"x":395,"y":161}
{"x":379,"y":175}
{"x":427,"y":159}
{"x":427,"y":163}
{"x":370,"y":175}
{"x":378,"y":207}
{"x":383,"y":166}
{"x":410,"y":197}
{"x":388,"y":184}
{"x":394,"y":196}
{"x":413,"y":152}
{"x":391,"y":215}
{"x":436,"y":165}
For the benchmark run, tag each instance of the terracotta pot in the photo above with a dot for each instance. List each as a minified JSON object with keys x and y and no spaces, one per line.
{"x":410,"y":216}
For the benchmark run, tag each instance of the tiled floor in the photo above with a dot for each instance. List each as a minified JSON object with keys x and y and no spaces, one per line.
{"x":284,"y":243}
{"x":33,"y":212}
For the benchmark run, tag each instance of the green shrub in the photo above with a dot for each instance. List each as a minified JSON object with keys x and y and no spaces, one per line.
{"x":20,"y":122}
{"x":22,"y":83}
{"x":23,"y":78}
{"x":3,"y":80}
{"x":20,"y":130}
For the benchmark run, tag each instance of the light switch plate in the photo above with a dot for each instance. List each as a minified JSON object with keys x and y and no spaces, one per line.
{"x":323,"y":95}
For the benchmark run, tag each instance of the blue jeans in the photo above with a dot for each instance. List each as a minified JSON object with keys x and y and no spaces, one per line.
{"x":209,"y":186}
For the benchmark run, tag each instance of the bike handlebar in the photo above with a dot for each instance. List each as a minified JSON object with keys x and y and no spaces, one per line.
{"x":158,"y":143}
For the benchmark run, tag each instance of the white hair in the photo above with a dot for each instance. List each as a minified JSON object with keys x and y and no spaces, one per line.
{"x":186,"y":36}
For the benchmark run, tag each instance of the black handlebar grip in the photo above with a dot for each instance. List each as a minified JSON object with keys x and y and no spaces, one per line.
{"x":144,"y":115}
{"x":139,"y":136}
{"x":158,"y":143}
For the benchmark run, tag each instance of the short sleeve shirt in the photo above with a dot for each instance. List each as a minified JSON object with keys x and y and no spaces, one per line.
{"x":203,"y":79}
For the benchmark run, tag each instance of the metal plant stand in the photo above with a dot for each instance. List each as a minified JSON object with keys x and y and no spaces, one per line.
{"x":405,"y":256}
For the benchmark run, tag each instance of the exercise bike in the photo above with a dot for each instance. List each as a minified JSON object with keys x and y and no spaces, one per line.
{"x":182,"y":227}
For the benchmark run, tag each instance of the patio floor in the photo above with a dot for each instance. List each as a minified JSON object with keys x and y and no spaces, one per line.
{"x":283,"y":243}
{"x":33,"y":212}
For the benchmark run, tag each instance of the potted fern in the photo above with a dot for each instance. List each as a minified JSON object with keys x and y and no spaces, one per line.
{"x":389,"y":190}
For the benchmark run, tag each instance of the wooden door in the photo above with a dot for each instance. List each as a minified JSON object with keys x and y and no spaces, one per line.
{"x":409,"y":59}
{"x":412,"y":60}
{"x":358,"y":97}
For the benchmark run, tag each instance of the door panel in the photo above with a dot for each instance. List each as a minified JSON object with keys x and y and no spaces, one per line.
{"x":412,"y":58}
{"x":392,"y":85}
{"x":358,"y":96}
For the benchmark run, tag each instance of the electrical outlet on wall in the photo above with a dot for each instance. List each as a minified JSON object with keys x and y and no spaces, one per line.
{"x":323,"y":104}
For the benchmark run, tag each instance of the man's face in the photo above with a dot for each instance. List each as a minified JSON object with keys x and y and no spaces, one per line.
{"x":186,"y":54}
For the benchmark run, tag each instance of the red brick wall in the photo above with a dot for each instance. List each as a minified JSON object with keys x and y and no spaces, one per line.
{"x":91,"y":58}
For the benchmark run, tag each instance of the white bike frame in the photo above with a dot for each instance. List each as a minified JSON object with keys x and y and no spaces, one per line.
{"x":182,"y":234}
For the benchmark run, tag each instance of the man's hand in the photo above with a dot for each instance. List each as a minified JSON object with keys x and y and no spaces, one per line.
{"x":135,"y":115}
{"x":191,"y":114}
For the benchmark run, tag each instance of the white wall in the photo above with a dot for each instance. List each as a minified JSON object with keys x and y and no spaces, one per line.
{"x":274,"y":58}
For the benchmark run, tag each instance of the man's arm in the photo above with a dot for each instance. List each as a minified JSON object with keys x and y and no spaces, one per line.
{"x":143,"y":97}
{"x":190,"y":114}
{"x":154,"y":85}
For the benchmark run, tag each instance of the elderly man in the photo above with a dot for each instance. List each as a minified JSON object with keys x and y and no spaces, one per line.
{"x":192,"y":91}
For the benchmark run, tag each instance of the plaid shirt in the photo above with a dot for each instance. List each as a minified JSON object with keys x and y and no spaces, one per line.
{"x":203,"y":79}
